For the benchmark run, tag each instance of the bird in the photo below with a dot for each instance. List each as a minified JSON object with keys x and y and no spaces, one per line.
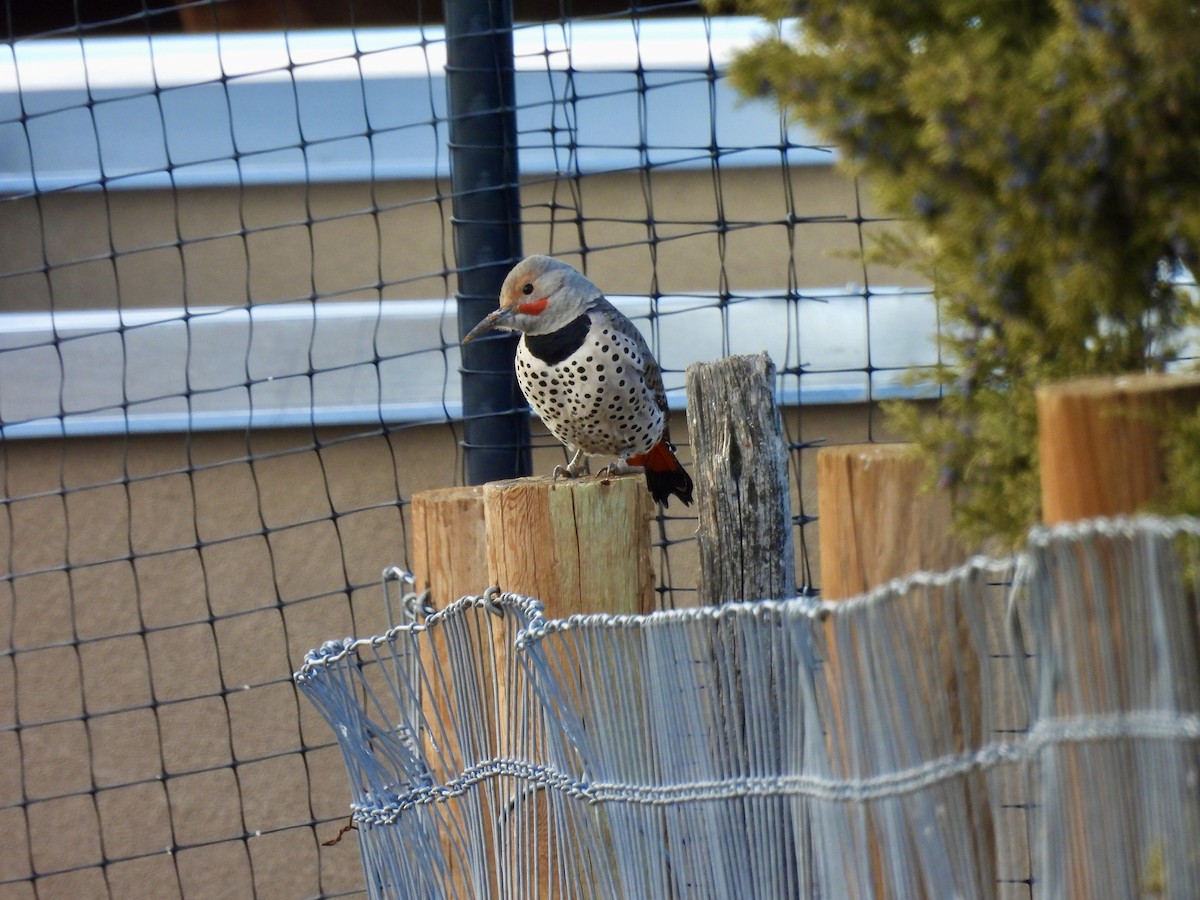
{"x":589,"y":375}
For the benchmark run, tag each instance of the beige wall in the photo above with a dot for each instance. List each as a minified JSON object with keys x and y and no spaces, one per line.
{"x":229,"y":247}
{"x":162,"y":588}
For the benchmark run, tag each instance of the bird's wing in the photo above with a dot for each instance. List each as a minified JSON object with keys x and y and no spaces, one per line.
{"x":651,"y":373}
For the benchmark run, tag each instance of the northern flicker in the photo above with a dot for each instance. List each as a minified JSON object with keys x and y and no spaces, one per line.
{"x":588,"y":374}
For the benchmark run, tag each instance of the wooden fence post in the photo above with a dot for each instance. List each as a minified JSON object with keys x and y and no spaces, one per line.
{"x":580,"y":546}
{"x":745,"y":512}
{"x":876,"y":523}
{"x":1100,"y":442}
{"x":1100,"y":450}
{"x":745,"y":548}
{"x":448,"y":549}
{"x":448,"y":559}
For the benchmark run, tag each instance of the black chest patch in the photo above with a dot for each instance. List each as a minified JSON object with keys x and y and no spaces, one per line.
{"x":553,"y":348}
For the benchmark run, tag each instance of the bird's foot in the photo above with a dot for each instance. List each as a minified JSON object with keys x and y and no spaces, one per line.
{"x":618,"y":467}
{"x":576,"y":467}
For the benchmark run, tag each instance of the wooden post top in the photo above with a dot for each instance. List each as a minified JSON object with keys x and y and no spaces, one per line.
{"x":551,"y":481}
{"x":877,"y":521}
{"x":1100,"y":442}
{"x":1117,"y":385}
{"x":580,"y":545}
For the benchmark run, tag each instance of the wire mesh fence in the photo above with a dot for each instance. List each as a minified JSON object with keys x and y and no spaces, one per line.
{"x":229,"y":358}
{"x":951,"y":734}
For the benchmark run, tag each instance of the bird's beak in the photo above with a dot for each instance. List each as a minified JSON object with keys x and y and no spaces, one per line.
{"x":491,"y":320}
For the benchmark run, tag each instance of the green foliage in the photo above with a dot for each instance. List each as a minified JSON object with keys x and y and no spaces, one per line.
{"x":1048,"y":152}
{"x":1183,"y":465}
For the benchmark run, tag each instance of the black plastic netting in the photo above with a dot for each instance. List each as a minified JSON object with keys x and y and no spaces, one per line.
{"x":229,"y":358}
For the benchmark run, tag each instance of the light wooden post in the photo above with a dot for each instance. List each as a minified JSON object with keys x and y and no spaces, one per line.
{"x":876,"y":523}
{"x":745,"y":512}
{"x":449,"y":558}
{"x":875,"y":520}
{"x":1100,"y":442}
{"x":1100,"y":450}
{"x":448,"y":534}
{"x":580,"y":546}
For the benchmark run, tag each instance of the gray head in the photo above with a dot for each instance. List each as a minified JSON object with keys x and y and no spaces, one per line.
{"x":540,"y":295}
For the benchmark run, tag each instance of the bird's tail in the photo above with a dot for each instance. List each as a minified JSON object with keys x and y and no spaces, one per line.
{"x":665,"y":475}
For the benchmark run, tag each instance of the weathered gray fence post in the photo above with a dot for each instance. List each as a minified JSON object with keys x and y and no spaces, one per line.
{"x":745,"y":543}
{"x":740,"y":462}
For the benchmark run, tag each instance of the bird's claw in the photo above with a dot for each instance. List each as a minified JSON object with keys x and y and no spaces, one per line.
{"x":575,"y":467}
{"x":618,"y":467}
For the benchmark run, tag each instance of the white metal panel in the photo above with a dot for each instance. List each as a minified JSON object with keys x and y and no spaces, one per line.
{"x":110,"y":371}
{"x":200,"y":110}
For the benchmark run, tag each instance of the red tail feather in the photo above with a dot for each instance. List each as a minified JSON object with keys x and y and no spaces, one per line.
{"x":665,"y":475}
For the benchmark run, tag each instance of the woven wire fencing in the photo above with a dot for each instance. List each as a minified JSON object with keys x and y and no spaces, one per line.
{"x":949,"y":735}
{"x":229,"y":358}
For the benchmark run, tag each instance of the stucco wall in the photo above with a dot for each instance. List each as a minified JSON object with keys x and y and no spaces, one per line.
{"x":163,"y":587}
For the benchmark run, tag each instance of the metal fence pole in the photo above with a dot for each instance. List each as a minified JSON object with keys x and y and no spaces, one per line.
{"x":487,"y":228}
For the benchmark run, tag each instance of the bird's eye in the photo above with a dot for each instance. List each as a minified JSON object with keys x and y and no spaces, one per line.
{"x":528,"y":289}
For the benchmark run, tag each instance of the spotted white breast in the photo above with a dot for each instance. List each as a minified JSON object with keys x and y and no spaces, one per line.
{"x":595,"y":384}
